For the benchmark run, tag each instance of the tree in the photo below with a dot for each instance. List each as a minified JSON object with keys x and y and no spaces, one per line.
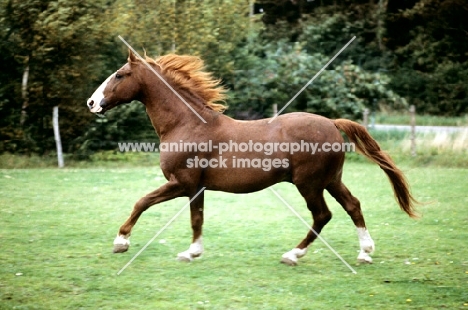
{"x":277,"y":71}
{"x":428,"y":41}
{"x":58,"y":41}
{"x":420,"y":44}
{"x":209,"y":29}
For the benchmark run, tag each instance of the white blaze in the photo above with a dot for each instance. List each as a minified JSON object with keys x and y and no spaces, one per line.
{"x":98,"y":95}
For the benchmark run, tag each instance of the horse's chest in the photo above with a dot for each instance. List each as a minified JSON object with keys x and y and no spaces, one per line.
{"x":172,"y":161}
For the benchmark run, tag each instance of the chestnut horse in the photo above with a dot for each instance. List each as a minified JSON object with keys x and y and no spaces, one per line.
{"x":185,"y":106}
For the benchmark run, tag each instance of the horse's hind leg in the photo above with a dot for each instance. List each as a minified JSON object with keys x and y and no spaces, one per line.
{"x":196,"y":216}
{"x":321,"y":216}
{"x":353,"y":207}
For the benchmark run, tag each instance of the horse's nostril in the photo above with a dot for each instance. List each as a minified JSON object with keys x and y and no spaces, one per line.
{"x":90,"y":103}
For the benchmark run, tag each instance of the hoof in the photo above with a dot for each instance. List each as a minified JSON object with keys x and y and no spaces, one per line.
{"x":290,"y":258}
{"x":364,"y":258}
{"x":120,"y":248}
{"x":195,"y":250}
{"x":184,"y":257}
{"x":121,"y":243}
{"x":288,"y":261}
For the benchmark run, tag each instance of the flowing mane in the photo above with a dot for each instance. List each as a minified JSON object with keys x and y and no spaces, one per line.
{"x":187,"y":72}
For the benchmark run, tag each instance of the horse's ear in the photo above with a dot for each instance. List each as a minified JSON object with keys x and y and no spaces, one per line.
{"x":131,"y":57}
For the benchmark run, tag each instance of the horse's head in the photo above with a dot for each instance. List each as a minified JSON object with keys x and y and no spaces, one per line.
{"x":119,"y":88}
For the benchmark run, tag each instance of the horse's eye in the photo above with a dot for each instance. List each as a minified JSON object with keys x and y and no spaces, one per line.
{"x":118,"y":76}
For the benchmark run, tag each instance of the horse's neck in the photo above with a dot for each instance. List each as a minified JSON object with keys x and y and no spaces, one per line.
{"x":168,"y":112}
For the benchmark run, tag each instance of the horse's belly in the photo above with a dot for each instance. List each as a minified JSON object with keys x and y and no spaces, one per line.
{"x":243,"y":180}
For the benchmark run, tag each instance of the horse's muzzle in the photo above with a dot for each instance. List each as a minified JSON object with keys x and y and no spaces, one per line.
{"x":95,"y":107}
{"x":90,"y":103}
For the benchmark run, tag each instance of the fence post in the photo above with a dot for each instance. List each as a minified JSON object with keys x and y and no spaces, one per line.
{"x":58,"y":141}
{"x":275,"y":109}
{"x":365,"y":118}
{"x":24,"y":93}
{"x":412,"y":111}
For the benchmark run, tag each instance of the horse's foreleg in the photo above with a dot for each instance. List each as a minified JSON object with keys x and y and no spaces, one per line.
{"x":168,"y":191}
{"x":353,"y":207}
{"x":321,"y":215}
{"x":196,"y":216}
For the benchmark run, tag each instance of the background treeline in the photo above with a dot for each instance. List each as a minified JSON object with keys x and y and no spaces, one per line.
{"x":56,"y":53}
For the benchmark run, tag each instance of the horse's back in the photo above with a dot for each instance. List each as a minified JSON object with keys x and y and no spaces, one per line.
{"x":290,"y":127}
{"x":312,"y":144}
{"x":307,"y":124}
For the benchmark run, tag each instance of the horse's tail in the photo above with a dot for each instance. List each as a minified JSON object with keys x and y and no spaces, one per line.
{"x":366,"y":145}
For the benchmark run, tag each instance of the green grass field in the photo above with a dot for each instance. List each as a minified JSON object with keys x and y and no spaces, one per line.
{"x":57,"y":230}
{"x":399,"y":118}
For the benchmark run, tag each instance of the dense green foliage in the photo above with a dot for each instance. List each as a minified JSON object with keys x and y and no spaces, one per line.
{"x":285,"y":68}
{"x":57,"y":42}
{"x":430,"y":53}
{"x":405,"y":52}
{"x":420,"y":45}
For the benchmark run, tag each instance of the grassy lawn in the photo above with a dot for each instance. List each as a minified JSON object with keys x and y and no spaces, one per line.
{"x":421,"y":120}
{"x":444,"y":150}
{"x":58,"y":227}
